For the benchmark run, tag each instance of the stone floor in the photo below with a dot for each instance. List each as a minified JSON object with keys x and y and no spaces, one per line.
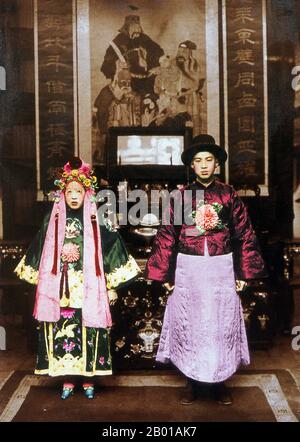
{"x":275,"y":370}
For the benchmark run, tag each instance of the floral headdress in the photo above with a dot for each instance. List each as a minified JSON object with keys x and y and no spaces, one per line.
{"x":77,"y":170}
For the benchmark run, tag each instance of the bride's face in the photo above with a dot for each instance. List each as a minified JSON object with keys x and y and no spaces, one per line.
{"x":74,"y":195}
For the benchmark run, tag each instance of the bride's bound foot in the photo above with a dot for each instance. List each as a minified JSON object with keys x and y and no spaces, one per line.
{"x":67,"y":390}
{"x":89,"y":390}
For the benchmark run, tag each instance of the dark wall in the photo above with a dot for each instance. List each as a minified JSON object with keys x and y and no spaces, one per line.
{"x":17,"y":118}
{"x":283,"y":21}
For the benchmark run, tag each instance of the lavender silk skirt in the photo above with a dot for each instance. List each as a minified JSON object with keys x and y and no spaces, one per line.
{"x":203,"y":332}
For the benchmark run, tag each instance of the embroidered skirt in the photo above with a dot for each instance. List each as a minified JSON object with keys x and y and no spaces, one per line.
{"x":203,"y":332}
{"x":67,"y":348}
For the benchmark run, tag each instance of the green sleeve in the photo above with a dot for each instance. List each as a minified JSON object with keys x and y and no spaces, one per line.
{"x":28,"y":267}
{"x":119,"y":266}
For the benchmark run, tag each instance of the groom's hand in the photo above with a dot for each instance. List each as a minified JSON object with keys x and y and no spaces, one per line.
{"x":240,"y":285}
{"x":112,"y":296}
{"x":168,"y":286}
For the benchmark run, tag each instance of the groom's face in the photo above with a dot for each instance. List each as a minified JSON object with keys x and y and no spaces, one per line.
{"x":204,"y":165}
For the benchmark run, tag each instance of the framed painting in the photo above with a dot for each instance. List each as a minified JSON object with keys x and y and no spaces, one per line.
{"x":146,"y":65}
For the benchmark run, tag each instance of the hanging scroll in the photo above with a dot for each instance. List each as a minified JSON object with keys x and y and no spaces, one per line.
{"x":246,"y":91}
{"x":54,"y":87}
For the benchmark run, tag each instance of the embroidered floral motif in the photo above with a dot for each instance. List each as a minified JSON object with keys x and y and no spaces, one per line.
{"x":68,"y":347}
{"x":66,"y":364}
{"x":123,"y":273}
{"x":27,"y":273}
{"x":73,"y":228}
{"x":76,"y":289}
{"x":67,"y":313}
{"x":55,"y":196}
{"x":70,"y":252}
{"x":206,"y":217}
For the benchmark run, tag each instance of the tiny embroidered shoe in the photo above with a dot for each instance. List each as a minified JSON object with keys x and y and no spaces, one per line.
{"x":89,"y":390}
{"x":67,"y":391}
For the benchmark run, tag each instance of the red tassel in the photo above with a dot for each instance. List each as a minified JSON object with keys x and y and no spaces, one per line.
{"x":64,"y":282}
{"x":61,"y":286}
{"x":54,"y":267}
{"x":67,"y":291}
{"x":94,"y":224}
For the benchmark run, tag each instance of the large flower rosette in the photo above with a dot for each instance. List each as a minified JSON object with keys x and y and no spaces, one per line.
{"x":70,"y":252}
{"x":206,"y":217}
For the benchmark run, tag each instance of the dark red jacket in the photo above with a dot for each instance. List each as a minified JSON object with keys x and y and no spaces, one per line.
{"x":236,"y":235}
